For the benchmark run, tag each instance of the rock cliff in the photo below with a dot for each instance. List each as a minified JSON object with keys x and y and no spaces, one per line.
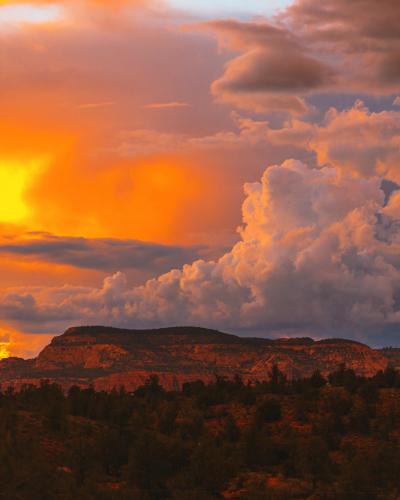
{"x":109,"y":357}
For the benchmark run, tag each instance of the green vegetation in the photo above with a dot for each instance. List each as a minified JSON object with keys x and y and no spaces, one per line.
{"x":316,"y":438}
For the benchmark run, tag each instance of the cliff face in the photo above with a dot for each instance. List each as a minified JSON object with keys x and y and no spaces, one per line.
{"x":108,"y":357}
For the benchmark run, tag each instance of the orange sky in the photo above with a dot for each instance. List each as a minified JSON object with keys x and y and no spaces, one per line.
{"x":75,"y":95}
{"x":130,"y":121}
{"x":64,"y":119}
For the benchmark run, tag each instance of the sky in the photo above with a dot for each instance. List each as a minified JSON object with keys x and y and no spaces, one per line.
{"x":230,"y":8}
{"x":233,"y":165}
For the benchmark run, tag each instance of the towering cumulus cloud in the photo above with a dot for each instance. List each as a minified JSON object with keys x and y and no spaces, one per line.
{"x":355,"y":141}
{"x":319,"y":253}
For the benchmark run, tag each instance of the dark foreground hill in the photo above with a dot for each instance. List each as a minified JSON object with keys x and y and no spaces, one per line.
{"x":108,"y":357}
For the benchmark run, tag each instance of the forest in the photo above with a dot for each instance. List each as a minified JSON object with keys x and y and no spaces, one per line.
{"x":316,"y":438}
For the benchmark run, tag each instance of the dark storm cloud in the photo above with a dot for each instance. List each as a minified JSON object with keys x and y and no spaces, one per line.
{"x":274,"y":60}
{"x":330,"y":45}
{"x":271,"y":66}
{"x":348,"y":19}
{"x":102,"y":254}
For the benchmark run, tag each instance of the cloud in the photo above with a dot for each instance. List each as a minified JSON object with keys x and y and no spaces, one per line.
{"x":342,"y":21}
{"x":96,"y":105}
{"x":149,"y":141}
{"x":105,"y":254}
{"x":326,"y":46}
{"x":355,"y":141}
{"x":270,"y":70}
{"x":166,"y":105}
{"x":318,"y":254}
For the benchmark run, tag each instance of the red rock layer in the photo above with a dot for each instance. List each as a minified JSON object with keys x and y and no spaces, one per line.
{"x":108,"y":357}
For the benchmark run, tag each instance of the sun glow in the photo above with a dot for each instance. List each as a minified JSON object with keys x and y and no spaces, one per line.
{"x":14,"y":180}
{"x":4,"y":352}
{"x":144,"y":200}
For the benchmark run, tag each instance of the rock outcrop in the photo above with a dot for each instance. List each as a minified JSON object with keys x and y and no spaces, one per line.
{"x":109,"y":357}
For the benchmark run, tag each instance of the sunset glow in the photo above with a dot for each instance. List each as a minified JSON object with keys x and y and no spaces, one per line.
{"x":214,"y":163}
{"x":199,"y":249}
{"x":15,"y":177}
{"x":4,"y":350}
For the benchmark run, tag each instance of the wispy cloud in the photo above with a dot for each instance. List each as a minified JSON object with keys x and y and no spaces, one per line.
{"x":96,"y":105}
{"x":166,"y":105}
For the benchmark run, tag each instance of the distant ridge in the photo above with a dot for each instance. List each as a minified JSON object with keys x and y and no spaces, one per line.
{"x":107,"y":357}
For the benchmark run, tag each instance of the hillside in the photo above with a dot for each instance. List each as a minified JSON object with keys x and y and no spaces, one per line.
{"x":312,"y":439}
{"x":108,"y":357}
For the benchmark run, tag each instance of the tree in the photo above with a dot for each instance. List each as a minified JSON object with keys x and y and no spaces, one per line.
{"x":313,"y":459}
{"x":268,"y":411}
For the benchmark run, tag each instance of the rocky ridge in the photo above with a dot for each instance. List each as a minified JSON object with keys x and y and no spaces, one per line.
{"x":108,"y":357}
